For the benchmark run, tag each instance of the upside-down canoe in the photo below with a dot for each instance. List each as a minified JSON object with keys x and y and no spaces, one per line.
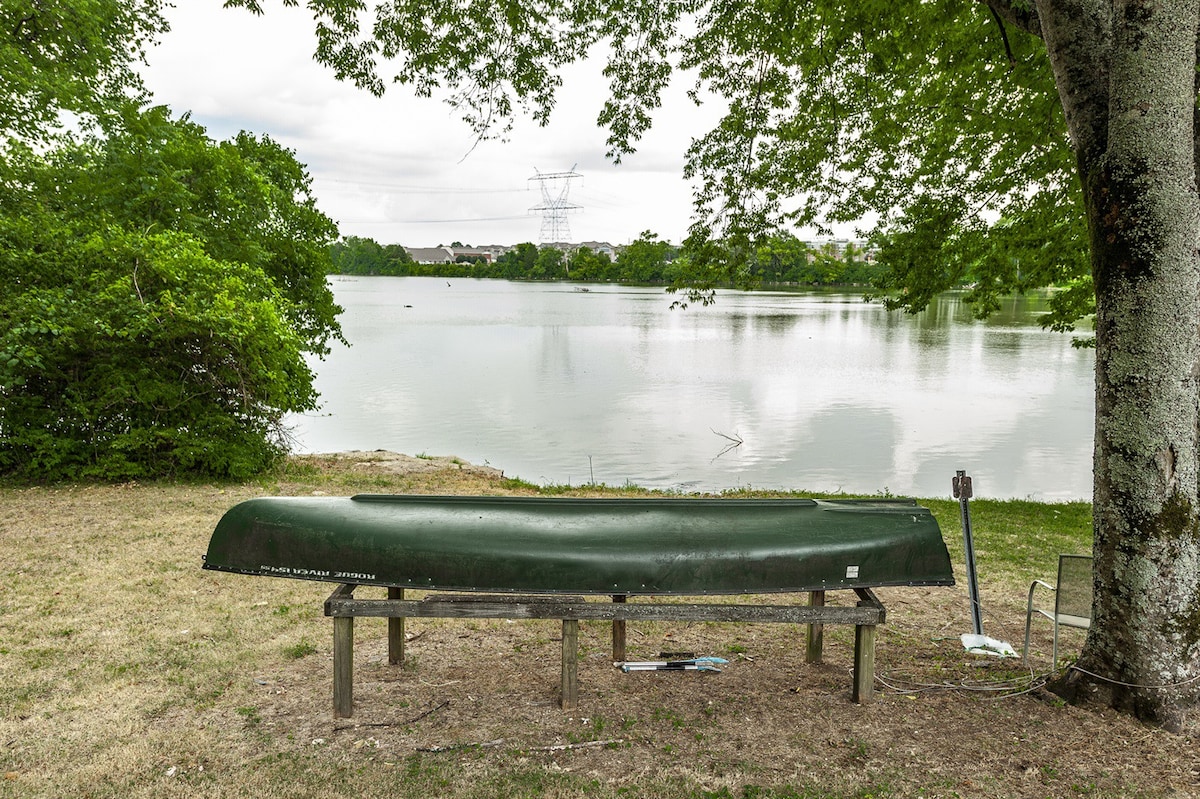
{"x":584,"y":546}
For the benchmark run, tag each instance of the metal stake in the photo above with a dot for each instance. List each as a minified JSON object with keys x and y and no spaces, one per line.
{"x":962,"y":492}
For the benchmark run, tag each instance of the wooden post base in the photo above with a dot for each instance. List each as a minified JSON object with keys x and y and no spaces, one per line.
{"x":618,"y":633}
{"x":343,"y":667}
{"x":816,"y":630}
{"x":395,"y":631}
{"x":569,"y":698}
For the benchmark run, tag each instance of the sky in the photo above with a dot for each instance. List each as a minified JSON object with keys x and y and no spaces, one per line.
{"x":402,"y":169}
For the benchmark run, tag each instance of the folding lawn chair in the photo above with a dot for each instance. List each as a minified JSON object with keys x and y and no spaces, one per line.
{"x":1072,"y":599}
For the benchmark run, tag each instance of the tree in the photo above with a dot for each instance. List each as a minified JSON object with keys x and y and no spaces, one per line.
{"x":1025,"y":144}
{"x":358,"y":255}
{"x":549,"y":264}
{"x":162,"y":290}
{"x":518,"y":263}
{"x":644,"y":259}
{"x":587,"y":264}
{"x":780,"y":257}
{"x":399,"y":262}
{"x":247,"y":199}
{"x":75,"y":56}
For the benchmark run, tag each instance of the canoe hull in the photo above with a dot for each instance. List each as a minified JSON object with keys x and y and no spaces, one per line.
{"x":584,"y":546}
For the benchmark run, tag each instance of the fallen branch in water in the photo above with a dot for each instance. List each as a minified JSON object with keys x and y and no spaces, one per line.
{"x":734,"y":440}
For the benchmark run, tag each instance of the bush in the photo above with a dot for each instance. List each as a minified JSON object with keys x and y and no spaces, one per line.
{"x":151,"y":360}
{"x":161,"y":294}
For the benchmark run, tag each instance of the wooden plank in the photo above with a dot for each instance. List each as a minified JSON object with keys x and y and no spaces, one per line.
{"x":493,"y":607}
{"x":395,"y":631}
{"x":569,"y":697}
{"x":618,"y":633}
{"x":343,"y":667}
{"x":342,"y":593}
{"x":816,"y":630}
{"x":343,"y":607}
{"x":867,"y":599}
{"x":519,"y":599}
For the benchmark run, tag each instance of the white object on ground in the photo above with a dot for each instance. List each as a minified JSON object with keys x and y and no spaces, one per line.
{"x":982,"y":645}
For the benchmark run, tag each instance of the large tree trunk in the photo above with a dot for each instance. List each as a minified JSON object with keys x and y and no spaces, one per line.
{"x":1138,"y":164}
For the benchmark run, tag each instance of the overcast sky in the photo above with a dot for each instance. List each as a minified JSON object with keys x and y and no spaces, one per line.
{"x":401,"y":169}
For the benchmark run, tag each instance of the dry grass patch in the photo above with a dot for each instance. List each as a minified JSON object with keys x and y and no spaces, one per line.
{"x":130,"y":672}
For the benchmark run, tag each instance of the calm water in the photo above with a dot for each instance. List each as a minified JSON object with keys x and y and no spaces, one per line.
{"x":558,"y":385}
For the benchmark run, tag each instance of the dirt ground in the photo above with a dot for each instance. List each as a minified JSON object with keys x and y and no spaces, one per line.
{"x":943,"y":720}
{"x":943,"y":723}
{"x":479,"y":698}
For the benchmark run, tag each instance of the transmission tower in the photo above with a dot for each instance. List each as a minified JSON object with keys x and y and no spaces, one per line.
{"x":554,"y":205}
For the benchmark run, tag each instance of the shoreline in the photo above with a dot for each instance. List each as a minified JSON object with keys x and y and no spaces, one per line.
{"x":384,"y":460}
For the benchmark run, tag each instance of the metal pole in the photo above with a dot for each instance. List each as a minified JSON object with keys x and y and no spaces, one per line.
{"x":962,"y":492}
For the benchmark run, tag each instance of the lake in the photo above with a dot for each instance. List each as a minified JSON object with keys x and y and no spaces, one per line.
{"x":557,"y":384}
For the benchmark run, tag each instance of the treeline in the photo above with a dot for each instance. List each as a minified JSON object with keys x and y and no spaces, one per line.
{"x":780,"y":259}
{"x":787,"y":260}
{"x":354,"y":255}
{"x":646,"y":260}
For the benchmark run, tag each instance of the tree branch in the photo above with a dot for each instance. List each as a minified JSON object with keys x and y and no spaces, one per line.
{"x":1021,"y":15}
{"x":1012,"y":61}
{"x":1078,"y":36}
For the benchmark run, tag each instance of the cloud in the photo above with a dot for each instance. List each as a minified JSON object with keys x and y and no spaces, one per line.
{"x":402,"y":168}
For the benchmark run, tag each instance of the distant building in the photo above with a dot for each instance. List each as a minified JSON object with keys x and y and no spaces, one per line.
{"x":431,"y":255}
{"x":599,"y":247}
{"x":493,"y":251}
{"x":839,"y":247}
{"x":474,"y":253}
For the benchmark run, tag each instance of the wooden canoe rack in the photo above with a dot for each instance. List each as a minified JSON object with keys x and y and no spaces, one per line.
{"x":344,"y":607}
{"x":587,"y":559}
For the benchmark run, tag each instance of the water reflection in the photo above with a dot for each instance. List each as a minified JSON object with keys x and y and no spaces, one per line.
{"x":826,"y":391}
{"x":858,"y":434}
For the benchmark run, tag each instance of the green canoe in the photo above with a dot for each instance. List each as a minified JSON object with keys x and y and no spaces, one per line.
{"x":584,"y":546}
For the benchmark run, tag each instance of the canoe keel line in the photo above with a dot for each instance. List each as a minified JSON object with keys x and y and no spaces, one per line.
{"x":541,"y":558}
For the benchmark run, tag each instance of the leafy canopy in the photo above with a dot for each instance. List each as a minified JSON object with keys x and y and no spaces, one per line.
{"x":932,"y":119}
{"x":163,"y":290}
{"x":73,"y":57}
{"x":247,"y":199}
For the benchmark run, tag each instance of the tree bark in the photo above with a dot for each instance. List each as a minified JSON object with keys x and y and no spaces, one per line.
{"x":1142,"y":654}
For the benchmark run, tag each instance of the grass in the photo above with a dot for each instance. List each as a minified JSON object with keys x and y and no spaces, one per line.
{"x":131,"y":672}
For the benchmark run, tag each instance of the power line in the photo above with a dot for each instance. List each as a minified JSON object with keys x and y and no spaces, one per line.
{"x":415,"y":189}
{"x":436,"y":221}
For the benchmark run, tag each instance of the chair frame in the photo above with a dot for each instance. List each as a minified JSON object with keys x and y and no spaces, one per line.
{"x":1057,"y":616}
